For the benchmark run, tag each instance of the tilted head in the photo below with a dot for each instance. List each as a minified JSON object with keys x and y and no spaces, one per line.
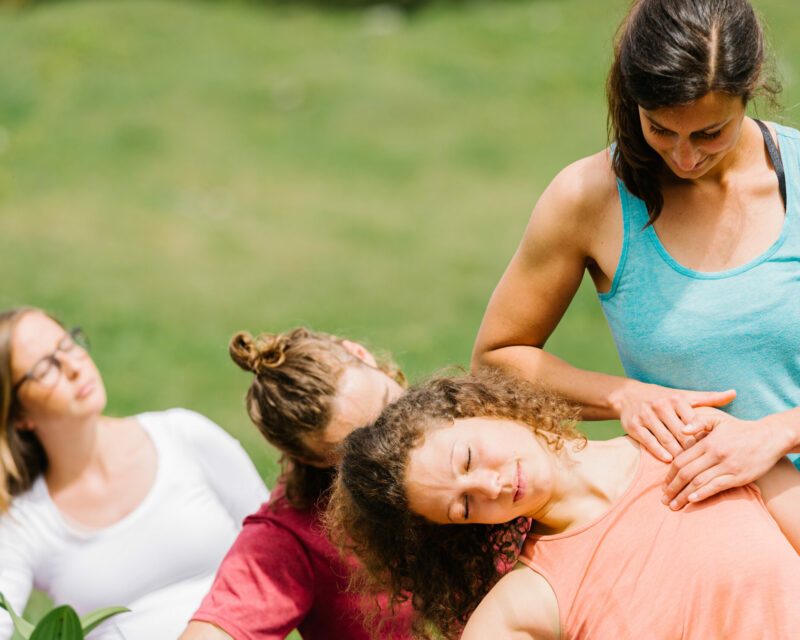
{"x":309,"y":391}
{"x":47,"y":381}
{"x":674,"y":53}
{"x":447,"y":568}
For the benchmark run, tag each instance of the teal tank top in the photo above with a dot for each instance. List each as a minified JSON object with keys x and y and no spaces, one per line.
{"x":735,"y":329}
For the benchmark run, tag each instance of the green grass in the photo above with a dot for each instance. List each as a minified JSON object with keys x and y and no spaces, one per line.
{"x":171,"y":172}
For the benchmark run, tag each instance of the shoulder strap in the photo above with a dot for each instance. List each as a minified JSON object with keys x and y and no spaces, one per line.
{"x":772,"y":149}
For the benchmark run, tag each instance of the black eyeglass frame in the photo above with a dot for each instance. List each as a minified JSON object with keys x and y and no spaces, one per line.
{"x":73,"y":338}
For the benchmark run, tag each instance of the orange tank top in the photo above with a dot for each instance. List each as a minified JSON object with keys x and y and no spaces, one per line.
{"x":720,"y":569}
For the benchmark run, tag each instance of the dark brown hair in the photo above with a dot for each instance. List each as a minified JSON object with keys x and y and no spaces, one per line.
{"x":445,"y":570}
{"x":291,"y":398}
{"x":670,"y":53}
{"x":22,"y":457}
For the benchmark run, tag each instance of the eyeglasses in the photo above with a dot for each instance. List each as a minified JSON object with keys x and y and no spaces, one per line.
{"x":48,"y":370}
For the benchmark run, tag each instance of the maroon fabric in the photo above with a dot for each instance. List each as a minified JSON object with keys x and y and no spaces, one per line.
{"x":282,"y":573}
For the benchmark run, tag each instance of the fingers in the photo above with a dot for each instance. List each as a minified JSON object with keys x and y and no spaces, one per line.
{"x":712,"y":398}
{"x":644,"y":437}
{"x":701,"y":424}
{"x":675,"y":417}
{"x":704,"y":486}
{"x":683,"y":470}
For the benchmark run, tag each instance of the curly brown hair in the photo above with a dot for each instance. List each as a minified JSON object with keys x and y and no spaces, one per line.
{"x":445,"y":570}
{"x":291,"y":397}
{"x":670,"y":53}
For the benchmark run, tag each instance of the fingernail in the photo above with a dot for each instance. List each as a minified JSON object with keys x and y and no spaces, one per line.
{"x":667,"y":457}
{"x":673,"y":504}
{"x":692,"y":497}
{"x":664,"y":499}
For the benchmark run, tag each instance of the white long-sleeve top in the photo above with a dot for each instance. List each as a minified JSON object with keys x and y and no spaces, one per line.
{"x":159,"y":560}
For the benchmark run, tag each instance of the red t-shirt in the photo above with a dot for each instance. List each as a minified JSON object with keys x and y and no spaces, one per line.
{"x":282,"y":573}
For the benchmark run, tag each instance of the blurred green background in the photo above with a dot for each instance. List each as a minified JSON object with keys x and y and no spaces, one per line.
{"x":172,"y":172}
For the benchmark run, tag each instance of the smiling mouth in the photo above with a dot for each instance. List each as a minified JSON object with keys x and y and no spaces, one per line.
{"x":519,"y":489}
{"x":85,"y":390}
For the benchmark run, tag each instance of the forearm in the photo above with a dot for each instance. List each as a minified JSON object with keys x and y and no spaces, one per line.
{"x":197,"y":630}
{"x":598,"y":394}
{"x":784,"y":427}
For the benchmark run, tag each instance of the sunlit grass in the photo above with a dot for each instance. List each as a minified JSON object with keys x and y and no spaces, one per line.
{"x":173,"y":172}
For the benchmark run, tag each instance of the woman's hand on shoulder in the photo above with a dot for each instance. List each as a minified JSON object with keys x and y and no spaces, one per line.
{"x":521,"y":606}
{"x":733,"y":453}
{"x":657,"y":417}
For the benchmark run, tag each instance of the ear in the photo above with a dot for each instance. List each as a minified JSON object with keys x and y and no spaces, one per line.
{"x":23,"y":424}
{"x":360,"y":352}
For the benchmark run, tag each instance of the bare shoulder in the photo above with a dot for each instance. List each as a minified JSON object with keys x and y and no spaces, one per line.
{"x":577,"y":204}
{"x":521,"y":605}
{"x":586,"y":187}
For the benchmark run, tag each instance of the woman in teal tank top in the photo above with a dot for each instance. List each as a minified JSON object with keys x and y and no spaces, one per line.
{"x":687,"y":226}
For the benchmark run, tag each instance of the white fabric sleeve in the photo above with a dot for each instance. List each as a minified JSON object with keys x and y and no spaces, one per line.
{"x":227,"y":467}
{"x":16,"y":571}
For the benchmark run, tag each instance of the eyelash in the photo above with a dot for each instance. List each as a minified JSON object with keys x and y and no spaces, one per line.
{"x":700,"y":134}
{"x":466,"y":498}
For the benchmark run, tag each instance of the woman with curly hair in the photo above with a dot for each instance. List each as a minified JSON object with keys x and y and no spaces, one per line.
{"x":308,"y":391}
{"x":435,"y":499}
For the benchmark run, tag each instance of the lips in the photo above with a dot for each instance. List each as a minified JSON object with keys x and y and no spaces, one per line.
{"x":85,"y":389}
{"x":519,"y":484}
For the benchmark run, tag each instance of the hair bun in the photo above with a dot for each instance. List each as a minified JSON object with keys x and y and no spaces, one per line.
{"x":243,"y":351}
{"x":270,"y":352}
{"x":258,"y":355}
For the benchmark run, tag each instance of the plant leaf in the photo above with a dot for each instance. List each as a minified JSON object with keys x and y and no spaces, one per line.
{"x":91,"y":620}
{"x":61,"y":623}
{"x":23,"y":627}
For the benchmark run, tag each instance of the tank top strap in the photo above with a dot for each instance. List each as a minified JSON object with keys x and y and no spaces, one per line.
{"x":789,"y":148}
{"x":635,"y":242}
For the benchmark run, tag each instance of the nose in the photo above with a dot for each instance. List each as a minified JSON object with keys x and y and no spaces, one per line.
{"x":70,"y":363}
{"x":487,"y":483}
{"x":685,"y":155}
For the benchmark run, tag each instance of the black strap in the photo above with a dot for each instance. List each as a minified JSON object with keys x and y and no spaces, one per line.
{"x":776,"y":159}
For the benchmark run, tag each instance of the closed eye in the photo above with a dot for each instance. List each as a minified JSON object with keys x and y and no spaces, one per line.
{"x":708,"y":135}
{"x":659,"y":131}
{"x":469,"y":458}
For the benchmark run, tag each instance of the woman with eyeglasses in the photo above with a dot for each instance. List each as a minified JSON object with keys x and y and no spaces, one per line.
{"x":99,"y":511}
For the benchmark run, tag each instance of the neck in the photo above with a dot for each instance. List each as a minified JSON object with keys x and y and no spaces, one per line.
{"x":587,"y":483}
{"x":72,"y":449}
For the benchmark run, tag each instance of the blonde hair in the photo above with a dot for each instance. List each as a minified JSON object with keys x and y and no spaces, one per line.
{"x":22,"y":458}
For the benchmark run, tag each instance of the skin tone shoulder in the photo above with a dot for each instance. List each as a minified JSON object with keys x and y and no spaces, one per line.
{"x":718,"y":170}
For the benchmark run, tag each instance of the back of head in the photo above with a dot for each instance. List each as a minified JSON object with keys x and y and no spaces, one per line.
{"x":291,"y":399}
{"x":22,"y":457}
{"x":445,"y":569}
{"x":671,"y":53}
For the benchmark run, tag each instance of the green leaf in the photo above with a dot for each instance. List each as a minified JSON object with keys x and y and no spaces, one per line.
{"x":61,"y":623}
{"x":23,"y":627}
{"x":91,"y":620}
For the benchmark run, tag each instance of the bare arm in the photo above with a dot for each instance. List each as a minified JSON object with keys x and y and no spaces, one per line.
{"x":521,"y":606}
{"x":780,"y":490}
{"x":577,"y":225}
{"x":197,"y":630}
